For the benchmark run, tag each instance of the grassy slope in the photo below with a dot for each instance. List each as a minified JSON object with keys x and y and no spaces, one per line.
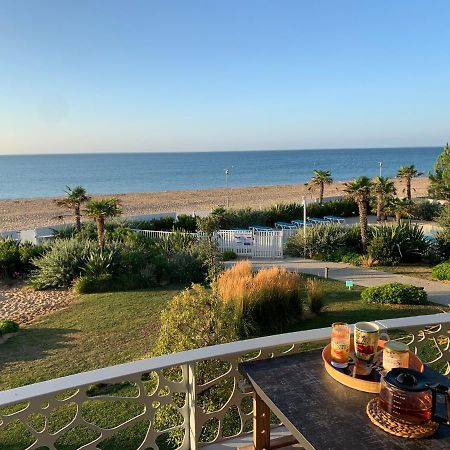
{"x":418,"y":270}
{"x":99,"y":331}
{"x":106,"y":329}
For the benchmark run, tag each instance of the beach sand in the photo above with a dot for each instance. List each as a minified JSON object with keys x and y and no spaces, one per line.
{"x":21,"y":214}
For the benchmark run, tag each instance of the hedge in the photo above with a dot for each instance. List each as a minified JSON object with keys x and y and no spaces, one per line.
{"x":395,"y":293}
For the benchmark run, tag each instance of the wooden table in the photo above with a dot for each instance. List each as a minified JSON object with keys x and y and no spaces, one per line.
{"x":321,"y":413}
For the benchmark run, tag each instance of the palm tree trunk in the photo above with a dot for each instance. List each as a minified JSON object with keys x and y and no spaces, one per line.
{"x":101,"y":232}
{"x":379,"y":207}
{"x":408,"y":188}
{"x":322,"y":189}
{"x":398,"y":218}
{"x":77,"y":218}
{"x":363,"y":224}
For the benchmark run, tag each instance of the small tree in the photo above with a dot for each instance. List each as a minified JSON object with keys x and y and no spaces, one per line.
{"x":359,"y":190}
{"x":383,"y":189}
{"x":74,"y":199}
{"x":100,"y":210}
{"x":400,"y":207}
{"x":208,"y":247}
{"x":320,"y":179}
{"x":439,"y":187}
{"x":407,"y":173}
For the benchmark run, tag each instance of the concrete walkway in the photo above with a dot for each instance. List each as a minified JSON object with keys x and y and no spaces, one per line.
{"x":437,"y":292}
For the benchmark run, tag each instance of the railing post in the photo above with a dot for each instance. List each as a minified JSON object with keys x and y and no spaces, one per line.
{"x":191,"y":402}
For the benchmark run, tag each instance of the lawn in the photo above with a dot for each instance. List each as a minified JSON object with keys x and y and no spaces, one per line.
{"x":418,"y":270}
{"x":106,"y":329}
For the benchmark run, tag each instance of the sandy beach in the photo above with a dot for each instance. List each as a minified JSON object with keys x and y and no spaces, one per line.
{"x":20,"y":214}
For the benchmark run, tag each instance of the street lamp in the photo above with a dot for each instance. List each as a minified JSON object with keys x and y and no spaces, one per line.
{"x":381,"y":167}
{"x":226,"y":171}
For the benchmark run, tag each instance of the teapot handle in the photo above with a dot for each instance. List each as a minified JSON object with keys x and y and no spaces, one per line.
{"x":437,"y":389}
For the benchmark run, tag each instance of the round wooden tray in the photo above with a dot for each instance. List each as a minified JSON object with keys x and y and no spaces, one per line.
{"x":361,"y":376}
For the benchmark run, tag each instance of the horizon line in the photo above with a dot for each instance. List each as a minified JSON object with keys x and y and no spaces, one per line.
{"x":109,"y":152}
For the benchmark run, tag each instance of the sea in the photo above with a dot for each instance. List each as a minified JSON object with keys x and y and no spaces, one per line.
{"x":28,"y":176}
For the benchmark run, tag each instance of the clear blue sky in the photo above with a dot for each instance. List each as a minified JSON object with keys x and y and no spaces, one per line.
{"x":147,"y":75}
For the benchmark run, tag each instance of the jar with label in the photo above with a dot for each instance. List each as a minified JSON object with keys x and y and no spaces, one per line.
{"x":395,"y":354}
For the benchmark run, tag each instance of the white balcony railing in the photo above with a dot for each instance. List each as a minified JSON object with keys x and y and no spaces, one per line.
{"x":172,"y":394}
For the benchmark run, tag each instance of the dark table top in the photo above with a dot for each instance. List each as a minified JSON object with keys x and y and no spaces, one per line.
{"x":329,"y":415}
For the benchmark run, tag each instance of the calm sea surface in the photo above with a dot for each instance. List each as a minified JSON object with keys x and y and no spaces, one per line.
{"x":46,"y":175}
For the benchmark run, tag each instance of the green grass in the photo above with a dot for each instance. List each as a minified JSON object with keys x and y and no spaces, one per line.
{"x":106,"y":329}
{"x":418,"y":270}
{"x":346,"y":306}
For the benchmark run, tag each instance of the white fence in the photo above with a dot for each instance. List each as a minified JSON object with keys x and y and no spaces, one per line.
{"x":430,"y":332}
{"x":254,"y":244}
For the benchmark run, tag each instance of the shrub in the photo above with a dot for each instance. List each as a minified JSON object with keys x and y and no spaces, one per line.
{"x":391,"y":244}
{"x":229,"y":255}
{"x":62,"y":264}
{"x":88,"y":284}
{"x":9,"y":258}
{"x":266,"y":301}
{"x":441,"y":271}
{"x":185,"y":267}
{"x":352,"y":258}
{"x":321,"y":240}
{"x":315,"y":294}
{"x":176,"y":241}
{"x":186,"y":223}
{"x":395,"y":293}
{"x":197,"y":318}
{"x":425,"y":210}
{"x":8,"y":326}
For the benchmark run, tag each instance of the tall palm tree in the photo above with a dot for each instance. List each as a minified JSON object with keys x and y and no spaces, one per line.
{"x":407,"y":173}
{"x":100,"y":210}
{"x":359,"y":190}
{"x":383,"y":189}
{"x":74,"y":199}
{"x":400,"y":207}
{"x":320,"y":179}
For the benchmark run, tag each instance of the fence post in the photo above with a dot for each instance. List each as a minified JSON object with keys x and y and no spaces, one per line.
{"x":191,"y":402}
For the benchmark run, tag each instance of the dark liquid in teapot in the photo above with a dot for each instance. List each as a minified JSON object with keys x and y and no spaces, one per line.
{"x":415,"y":409}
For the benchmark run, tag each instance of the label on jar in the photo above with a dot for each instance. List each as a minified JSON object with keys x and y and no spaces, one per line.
{"x":393,"y":359}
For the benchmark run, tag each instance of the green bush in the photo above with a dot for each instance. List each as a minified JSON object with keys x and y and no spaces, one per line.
{"x":229,"y":255}
{"x":8,"y":326}
{"x":185,"y":267}
{"x":322,"y":241}
{"x":425,"y":210}
{"x":176,"y":241}
{"x":88,"y":284}
{"x":352,"y":258}
{"x":9,"y":258}
{"x":186,"y":223}
{"x":441,"y":271}
{"x":62,"y":264}
{"x":395,"y":293}
{"x":315,"y":295}
{"x":391,"y":244}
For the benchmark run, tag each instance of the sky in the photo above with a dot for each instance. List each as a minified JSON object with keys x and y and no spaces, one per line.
{"x":205,"y":75}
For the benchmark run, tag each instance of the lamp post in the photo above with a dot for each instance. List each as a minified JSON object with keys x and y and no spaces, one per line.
{"x":381,"y":167}
{"x":304,"y":224}
{"x":226,"y":171}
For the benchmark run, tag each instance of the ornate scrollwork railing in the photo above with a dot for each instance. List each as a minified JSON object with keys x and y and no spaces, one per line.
{"x":185,"y":400}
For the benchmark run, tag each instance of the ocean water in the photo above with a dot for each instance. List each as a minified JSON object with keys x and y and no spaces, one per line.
{"x":46,"y":175}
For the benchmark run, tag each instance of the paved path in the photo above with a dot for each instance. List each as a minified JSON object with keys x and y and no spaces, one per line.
{"x":437,"y":292}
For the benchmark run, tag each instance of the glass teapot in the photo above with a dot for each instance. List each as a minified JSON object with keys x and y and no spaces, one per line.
{"x":410,"y":396}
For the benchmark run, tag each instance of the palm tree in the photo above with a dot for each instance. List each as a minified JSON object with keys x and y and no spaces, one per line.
{"x":320,"y":179}
{"x":100,"y":210}
{"x":74,"y":199}
{"x":407,"y":173}
{"x":383,"y":189}
{"x":400,"y":207}
{"x":359,"y":190}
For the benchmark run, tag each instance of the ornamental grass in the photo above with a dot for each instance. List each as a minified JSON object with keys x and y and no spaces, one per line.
{"x":266,"y":300}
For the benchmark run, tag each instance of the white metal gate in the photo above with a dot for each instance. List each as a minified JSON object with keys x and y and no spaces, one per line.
{"x":267,"y":244}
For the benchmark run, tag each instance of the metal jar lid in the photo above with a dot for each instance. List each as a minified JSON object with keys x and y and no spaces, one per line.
{"x":396,"y":346}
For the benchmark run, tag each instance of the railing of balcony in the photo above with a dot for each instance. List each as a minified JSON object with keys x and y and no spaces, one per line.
{"x":187,"y":399}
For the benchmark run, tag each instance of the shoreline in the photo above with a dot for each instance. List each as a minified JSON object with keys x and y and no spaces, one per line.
{"x":25,"y":213}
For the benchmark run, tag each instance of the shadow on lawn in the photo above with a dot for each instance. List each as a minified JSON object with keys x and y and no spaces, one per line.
{"x":34,"y":343}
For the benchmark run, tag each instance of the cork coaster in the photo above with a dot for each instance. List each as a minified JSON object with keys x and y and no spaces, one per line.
{"x":398,"y":427}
